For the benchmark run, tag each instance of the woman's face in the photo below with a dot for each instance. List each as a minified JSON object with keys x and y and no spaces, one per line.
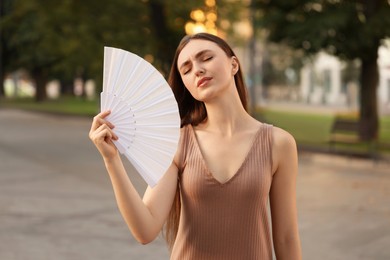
{"x":205,"y":69}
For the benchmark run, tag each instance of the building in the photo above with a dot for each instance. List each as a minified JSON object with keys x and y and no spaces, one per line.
{"x":323,"y":82}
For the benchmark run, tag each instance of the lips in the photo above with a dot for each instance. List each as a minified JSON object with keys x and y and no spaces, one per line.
{"x":203,"y":81}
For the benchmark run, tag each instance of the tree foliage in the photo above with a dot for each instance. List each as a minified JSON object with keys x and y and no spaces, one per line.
{"x":64,"y":39}
{"x":348,"y":29}
{"x":345,"y":28}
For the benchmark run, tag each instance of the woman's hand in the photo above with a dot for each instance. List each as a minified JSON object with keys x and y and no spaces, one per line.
{"x":102,"y":135}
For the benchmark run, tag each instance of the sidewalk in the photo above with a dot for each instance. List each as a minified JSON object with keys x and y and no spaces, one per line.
{"x":56,"y":201}
{"x":344,"y":207}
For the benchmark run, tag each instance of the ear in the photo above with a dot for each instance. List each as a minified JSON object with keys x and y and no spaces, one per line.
{"x":235,"y":65}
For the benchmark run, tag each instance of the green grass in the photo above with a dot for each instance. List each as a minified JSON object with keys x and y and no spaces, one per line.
{"x":64,"y":105}
{"x":306,"y":128}
{"x":309,"y":129}
{"x":384,"y":133}
{"x":314,"y":129}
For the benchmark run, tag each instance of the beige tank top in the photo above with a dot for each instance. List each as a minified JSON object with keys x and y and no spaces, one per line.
{"x":229,"y":220}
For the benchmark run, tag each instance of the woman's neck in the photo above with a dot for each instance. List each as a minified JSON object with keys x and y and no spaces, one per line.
{"x":226,"y":115}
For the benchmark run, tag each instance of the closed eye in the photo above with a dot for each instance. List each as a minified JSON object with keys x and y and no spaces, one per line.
{"x":207,"y":58}
{"x":186,"y":70}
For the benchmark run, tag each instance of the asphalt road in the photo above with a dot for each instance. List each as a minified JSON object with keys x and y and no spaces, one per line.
{"x":56,"y":201}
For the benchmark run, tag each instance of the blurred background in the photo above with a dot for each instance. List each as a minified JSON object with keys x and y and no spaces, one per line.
{"x":318,"y":68}
{"x":298,"y":56}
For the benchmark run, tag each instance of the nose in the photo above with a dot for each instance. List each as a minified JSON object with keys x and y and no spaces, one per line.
{"x":199,"y":71}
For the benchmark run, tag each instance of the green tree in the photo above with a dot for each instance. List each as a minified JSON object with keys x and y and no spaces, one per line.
{"x":67,"y":37}
{"x":348,"y":29}
{"x":64,"y":39}
{"x":28,"y":39}
{"x":5,"y":51}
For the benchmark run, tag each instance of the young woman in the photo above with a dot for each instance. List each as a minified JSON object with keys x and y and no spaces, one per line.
{"x":214,"y":197}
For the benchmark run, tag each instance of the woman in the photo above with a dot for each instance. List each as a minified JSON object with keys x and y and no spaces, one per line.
{"x":214,"y":196}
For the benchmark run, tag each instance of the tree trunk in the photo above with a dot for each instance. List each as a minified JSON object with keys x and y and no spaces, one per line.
{"x":2,"y":92}
{"x":2,"y":50}
{"x":66,"y":87}
{"x":165,"y":44}
{"x":369,"y":78}
{"x":40,"y":77}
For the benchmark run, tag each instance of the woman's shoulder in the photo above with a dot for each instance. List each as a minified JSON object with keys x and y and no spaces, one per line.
{"x":284,"y":147}
{"x":281,"y":137}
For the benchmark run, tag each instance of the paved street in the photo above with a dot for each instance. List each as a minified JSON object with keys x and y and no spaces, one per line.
{"x":56,"y":201}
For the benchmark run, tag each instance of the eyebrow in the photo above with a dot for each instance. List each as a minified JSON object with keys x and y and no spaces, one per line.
{"x":196,"y":56}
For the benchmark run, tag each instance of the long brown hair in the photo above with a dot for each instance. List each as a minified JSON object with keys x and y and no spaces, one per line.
{"x":194,"y":112}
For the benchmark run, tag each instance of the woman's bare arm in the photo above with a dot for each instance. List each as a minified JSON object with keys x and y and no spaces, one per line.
{"x":283,"y":197}
{"x":145,"y":218}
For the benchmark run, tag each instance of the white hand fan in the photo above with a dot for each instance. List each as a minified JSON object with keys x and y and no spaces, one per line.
{"x":143,"y":110}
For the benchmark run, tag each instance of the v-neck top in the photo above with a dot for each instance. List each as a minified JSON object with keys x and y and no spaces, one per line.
{"x":224,"y":220}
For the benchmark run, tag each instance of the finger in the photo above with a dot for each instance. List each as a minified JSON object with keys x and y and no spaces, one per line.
{"x":103,"y":114}
{"x":114,"y":136}
{"x":95,"y":122}
{"x":109,"y":135}
{"x":102,"y":121}
{"x":101,"y":136}
{"x":99,"y":120}
{"x":106,"y":129}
